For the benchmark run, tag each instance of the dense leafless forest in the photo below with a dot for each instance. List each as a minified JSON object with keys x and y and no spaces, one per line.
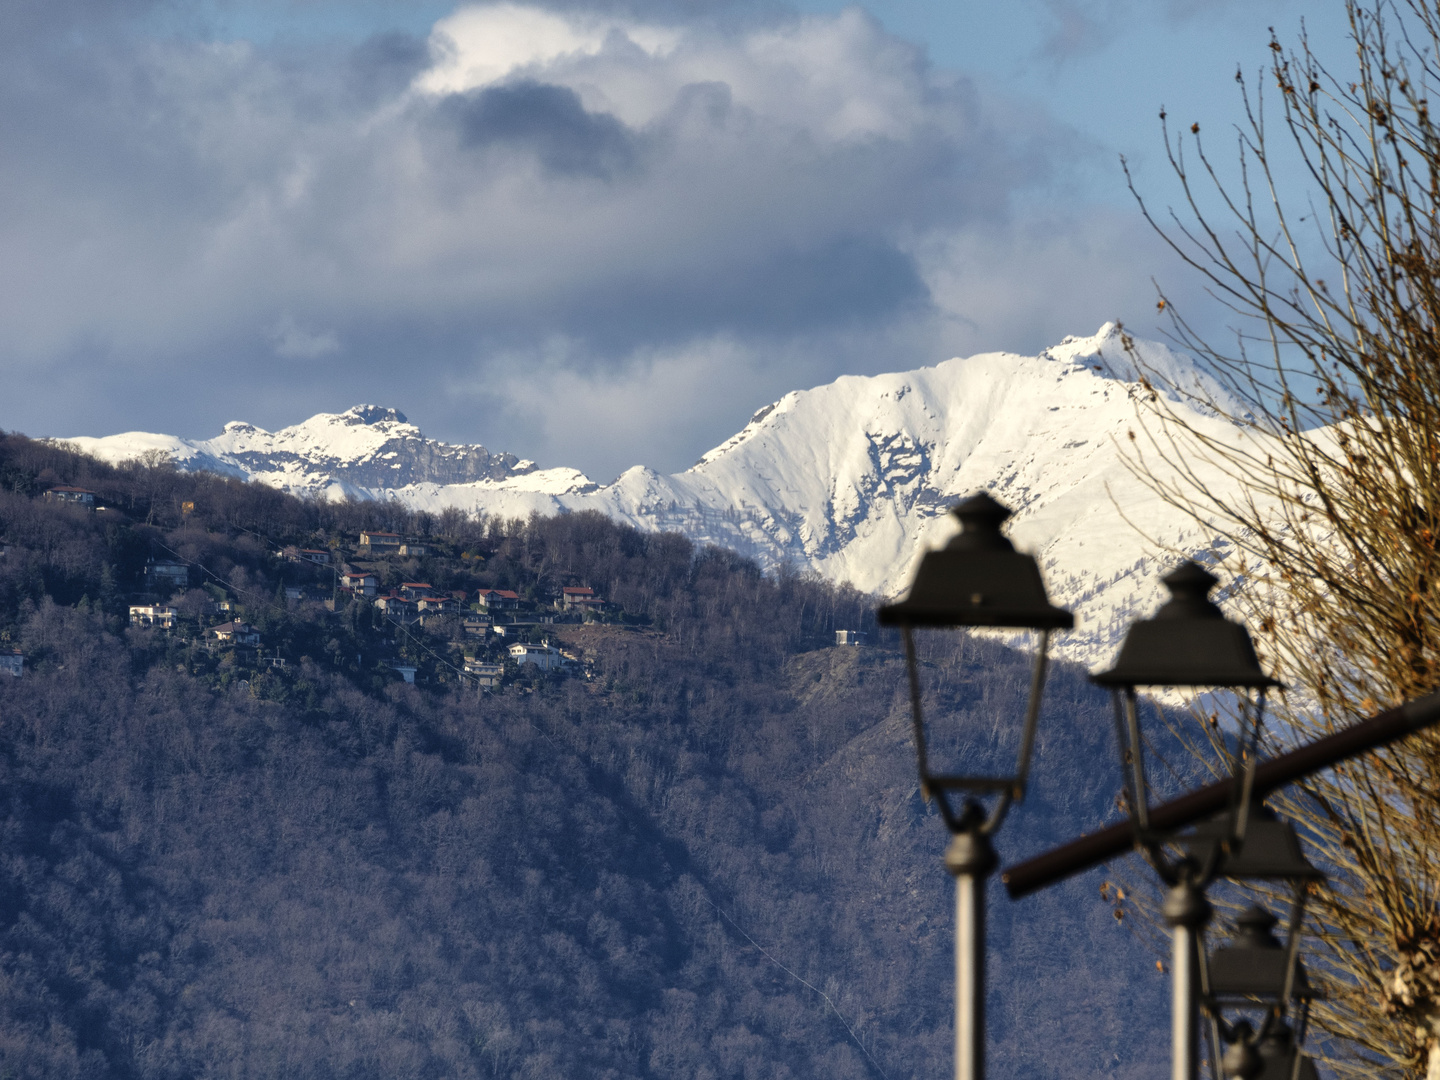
{"x":703,"y":854}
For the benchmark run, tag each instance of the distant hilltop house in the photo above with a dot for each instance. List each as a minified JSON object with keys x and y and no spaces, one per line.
{"x":849,"y":637}
{"x":12,"y":662}
{"x":235,"y":633}
{"x":435,"y":605}
{"x":484,"y":674}
{"x":498,"y":599}
{"x":161,"y":615}
{"x":73,"y":495}
{"x":166,"y":574}
{"x":579,"y":598}
{"x":397,"y":607}
{"x":358,"y":582}
{"x":380,"y":542}
{"x":294,"y":554}
{"x":545,"y":657}
{"x":413,"y":550}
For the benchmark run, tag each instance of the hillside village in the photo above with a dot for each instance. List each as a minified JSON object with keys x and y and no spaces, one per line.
{"x":236,"y":583}
{"x":242,"y":840}
{"x":482,"y":635}
{"x":486,"y":636}
{"x":409,"y":607}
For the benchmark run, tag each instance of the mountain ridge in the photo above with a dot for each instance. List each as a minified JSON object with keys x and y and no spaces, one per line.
{"x":850,"y":480}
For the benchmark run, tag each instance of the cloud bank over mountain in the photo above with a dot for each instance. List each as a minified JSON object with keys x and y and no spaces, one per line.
{"x":675,"y":218}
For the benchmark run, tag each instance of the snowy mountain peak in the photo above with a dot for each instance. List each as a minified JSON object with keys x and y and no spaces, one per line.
{"x":366,"y":451}
{"x":756,"y":422}
{"x":851,"y":479}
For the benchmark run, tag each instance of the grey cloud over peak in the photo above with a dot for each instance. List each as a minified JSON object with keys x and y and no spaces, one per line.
{"x":694,"y":218}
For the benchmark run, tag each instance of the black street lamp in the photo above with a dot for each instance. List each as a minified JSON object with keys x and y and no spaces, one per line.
{"x":1274,"y":1052}
{"x":977,"y":579}
{"x":1189,"y":643}
{"x":1255,"y":968}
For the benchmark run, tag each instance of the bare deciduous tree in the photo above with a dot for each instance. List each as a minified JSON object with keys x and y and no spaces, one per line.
{"x":1328,"y":494}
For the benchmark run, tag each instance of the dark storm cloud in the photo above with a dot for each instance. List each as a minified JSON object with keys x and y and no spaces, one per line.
{"x":548,"y":121}
{"x":843,"y":281}
{"x":846,"y":280}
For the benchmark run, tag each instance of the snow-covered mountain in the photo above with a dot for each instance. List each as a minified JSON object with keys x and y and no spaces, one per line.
{"x":366,"y":452}
{"x":851,"y":480}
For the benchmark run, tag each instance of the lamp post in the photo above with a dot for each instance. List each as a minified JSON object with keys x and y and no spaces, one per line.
{"x":1189,"y":643}
{"x":977,"y":580}
{"x":1278,"y":1049}
{"x":1256,"y":967}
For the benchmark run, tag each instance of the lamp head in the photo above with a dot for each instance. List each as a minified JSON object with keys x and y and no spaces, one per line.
{"x":977,"y":579}
{"x":1189,"y":642}
{"x":1270,"y":851}
{"x":1254,"y":963}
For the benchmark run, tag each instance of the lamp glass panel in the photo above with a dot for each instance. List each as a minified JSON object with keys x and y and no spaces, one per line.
{"x":974,"y":690}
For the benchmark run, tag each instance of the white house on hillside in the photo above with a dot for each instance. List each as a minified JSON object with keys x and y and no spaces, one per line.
{"x":362,"y":583}
{"x":236,"y":633}
{"x":164,"y":574}
{"x":484,"y":674}
{"x":73,"y":495}
{"x":161,"y":615}
{"x":544,"y":657}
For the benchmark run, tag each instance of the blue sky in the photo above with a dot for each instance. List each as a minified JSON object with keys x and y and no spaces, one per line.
{"x":590,"y":235}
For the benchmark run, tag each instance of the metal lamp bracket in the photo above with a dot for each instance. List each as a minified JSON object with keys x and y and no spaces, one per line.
{"x":1132,"y":758}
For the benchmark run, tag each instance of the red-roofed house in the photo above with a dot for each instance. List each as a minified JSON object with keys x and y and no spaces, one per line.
{"x":579,"y":598}
{"x":356,"y":582}
{"x":414,"y":590}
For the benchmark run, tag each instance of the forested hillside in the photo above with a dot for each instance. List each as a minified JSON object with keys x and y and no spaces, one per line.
{"x":697,"y":852}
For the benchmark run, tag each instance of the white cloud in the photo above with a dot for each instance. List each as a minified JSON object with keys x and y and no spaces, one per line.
{"x":707,"y":215}
{"x":480,"y":45}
